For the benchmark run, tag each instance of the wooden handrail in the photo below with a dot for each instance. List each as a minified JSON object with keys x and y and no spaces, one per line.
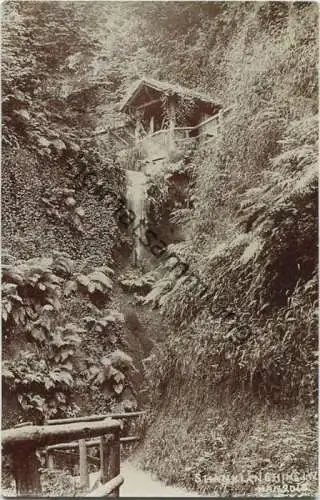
{"x":214,"y":117}
{"x":187,"y":139}
{"x":129,"y":439}
{"x":186,"y":128}
{"x":42,"y":435}
{"x":23,"y":440}
{"x":93,"y":418}
{"x":194,"y":127}
{"x":222,"y":112}
{"x":23,"y":424}
{"x":22,"y":444}
{"x":107,"y":488}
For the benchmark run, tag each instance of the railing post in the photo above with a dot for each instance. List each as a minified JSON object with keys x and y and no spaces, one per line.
{"x":83,"y":465}
{"x":115,"y":458}
{"x":26,"y":470}
{"x":151,"y":124}
{"x":105,"y":458}
{"x":50,"y":459}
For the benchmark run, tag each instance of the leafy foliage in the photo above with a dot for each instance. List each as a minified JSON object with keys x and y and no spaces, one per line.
{"x":96,"y":285}
{"x":40,"y":377}
{"x":53,"y":166}
{"x":48,"y":139}
{"x":30,"y":288}
{"x":111,"y":373}
{"x":44,"y":374}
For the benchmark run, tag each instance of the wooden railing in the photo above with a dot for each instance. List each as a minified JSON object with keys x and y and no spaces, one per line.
{"x":160,"y":143}
{"x":23,"y":441}
{"x":95,"y":418}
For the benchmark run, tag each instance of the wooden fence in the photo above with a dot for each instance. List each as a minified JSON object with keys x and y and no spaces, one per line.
{"x":23,"y":441}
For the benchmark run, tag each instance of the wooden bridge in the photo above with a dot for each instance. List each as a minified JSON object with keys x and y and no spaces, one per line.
{"x":103,"y":431}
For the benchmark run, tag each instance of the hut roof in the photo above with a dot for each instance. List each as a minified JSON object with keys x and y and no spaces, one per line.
{"x":165,"y":88}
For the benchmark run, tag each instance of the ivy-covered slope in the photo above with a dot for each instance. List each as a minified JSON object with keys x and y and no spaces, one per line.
{"x":61,"y":331}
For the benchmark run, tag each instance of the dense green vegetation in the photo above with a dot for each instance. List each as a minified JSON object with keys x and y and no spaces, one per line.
{"x":254,"y":237}
{"x":254,"y":213}
{"x":233,"y":386}
{"x":59,"y":325}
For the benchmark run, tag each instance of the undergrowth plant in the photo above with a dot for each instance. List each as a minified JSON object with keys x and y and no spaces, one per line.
{"x":253,"y":226}
{"x":42,"y":348}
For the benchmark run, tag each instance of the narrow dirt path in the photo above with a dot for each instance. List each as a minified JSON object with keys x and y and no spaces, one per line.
{"x":139,"y":483}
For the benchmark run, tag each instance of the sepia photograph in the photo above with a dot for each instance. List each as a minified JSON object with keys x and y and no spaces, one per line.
{"x":159,"y":223}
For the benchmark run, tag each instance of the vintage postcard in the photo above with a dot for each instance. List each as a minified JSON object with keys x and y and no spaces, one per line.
{"x":159,"y":248}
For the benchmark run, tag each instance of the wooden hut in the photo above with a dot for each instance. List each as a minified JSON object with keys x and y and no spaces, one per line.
{"x":163,"y":116}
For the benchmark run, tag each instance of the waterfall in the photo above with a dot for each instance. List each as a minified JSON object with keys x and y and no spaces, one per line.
{"x":136,"y":197}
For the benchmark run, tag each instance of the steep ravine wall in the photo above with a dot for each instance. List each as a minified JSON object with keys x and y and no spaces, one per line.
{"x":219,"y":442}
{"x":226,"y":408}
{"x":28,"y":232}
